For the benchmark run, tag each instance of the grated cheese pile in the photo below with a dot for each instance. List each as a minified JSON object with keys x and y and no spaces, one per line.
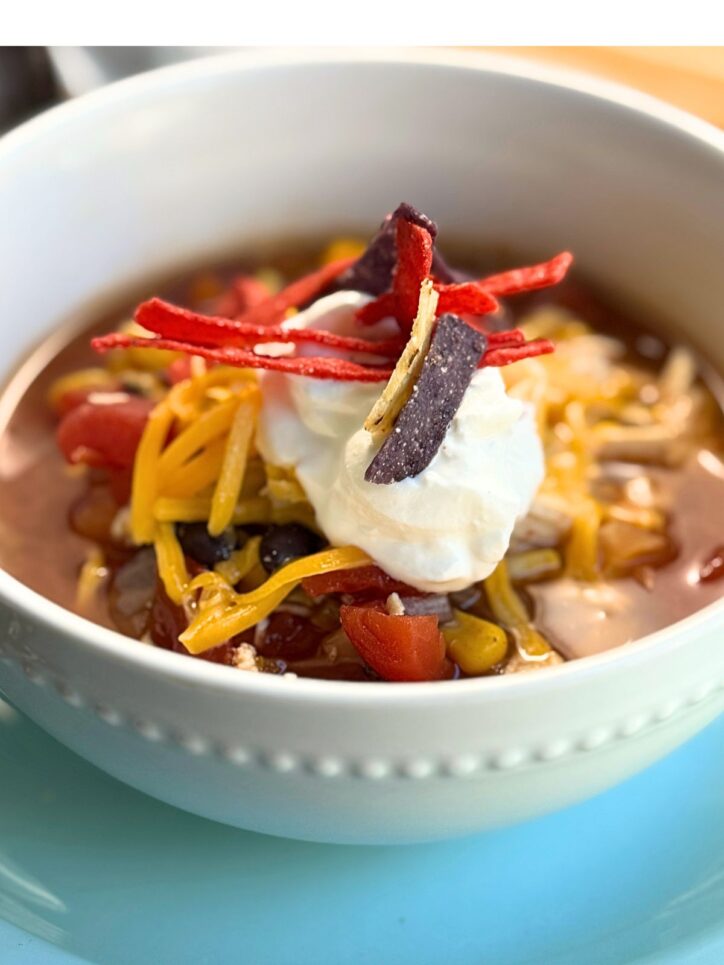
{"x":196,"y":462}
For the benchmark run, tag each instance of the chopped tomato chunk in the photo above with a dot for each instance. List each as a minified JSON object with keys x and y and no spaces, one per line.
{"x":401,"y":648}
{"x":104,"y":435}
{"x":370,"y":580}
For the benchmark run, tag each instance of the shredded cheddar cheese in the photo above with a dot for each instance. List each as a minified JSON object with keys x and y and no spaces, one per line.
{"x":231,"y":476}
{"x":240,"y":563}
{"x":207,"y":427}
{"x":582,"y":546}
{"x":92,"y":574}
{"x":211,"y":627}
{"x":199,"y":472}
{"x":170,"y":562}
{"x":146,"y":474}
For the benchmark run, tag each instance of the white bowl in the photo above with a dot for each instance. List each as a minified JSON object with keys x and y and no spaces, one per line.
{"x":178,"y":164}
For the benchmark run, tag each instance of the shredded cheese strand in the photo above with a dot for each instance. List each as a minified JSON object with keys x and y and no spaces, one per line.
{"x":198,"y":473}
{"x":255,"y":509}
{"x":170,"y":562}
{"x":240,"y":563}
{"x":92,"y":574}
{"x":189,"y":394}
{"x":197,"y":509}
{"x":208,"y":426}
{"x":231,"y":477}
{"x":145,"y":473}
{"x":326,"y":561}
{"x":582,"y":548}
{"x":215,"y":627}
{"x":210,"y":628}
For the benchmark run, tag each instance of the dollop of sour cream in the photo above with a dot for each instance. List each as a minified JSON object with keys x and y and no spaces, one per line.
{"x":440,"y":531}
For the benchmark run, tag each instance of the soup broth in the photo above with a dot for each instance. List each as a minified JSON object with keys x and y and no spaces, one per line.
{"x":659,"y":500}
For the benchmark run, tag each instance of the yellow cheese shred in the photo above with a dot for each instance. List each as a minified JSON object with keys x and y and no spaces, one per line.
{"x":582,"y":548}
{"x":189,"y":395}
{"x":209,"y":425}
{"x":170,"y":562}
{"x":197,"y":509}
{"x":209,"y":629}
{"x":510,"y":610}
{"x":198,"y":473}
{"x":92,"y":574}
{"x":145,"y":473}
{"x":240,"y":563}
{"x":255,"y":509}
{"x":231,"y":476}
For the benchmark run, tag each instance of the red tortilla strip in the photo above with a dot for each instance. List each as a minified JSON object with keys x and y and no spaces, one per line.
{"x":173,"y":321}
{"x":315,"y":367}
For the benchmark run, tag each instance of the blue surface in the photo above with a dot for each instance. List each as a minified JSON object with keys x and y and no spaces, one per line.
{"x":111,"y":876}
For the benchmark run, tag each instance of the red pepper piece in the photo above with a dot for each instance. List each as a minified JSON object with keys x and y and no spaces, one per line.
{"x":401,"y":648}
{"x":303,"y":290}
{"x":364,"y":579}
{"x":184,"y":325}
{"x":312,"y":366}
{"x":104,"y":435}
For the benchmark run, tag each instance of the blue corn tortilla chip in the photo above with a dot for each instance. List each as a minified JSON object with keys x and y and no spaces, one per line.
{"x":372,"y":272}
{"x":418,"y":433}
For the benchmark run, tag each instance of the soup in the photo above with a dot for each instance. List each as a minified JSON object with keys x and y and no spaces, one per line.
{"x":572,"y":501}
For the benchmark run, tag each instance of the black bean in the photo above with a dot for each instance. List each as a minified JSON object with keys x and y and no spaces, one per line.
{"x":205,"y":549}
{"x":281,"y":544}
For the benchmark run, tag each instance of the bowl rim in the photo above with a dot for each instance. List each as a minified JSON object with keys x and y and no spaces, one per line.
{"x":114,"y":645}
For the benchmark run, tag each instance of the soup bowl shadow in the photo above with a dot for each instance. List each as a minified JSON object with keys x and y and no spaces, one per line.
{"x":190,"y":162}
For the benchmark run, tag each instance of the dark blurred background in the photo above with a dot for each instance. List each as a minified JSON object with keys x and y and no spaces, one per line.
{"x":27,"y":84}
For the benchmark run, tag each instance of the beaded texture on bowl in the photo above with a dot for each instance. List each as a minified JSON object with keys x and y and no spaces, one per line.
{"x":369,"y":769}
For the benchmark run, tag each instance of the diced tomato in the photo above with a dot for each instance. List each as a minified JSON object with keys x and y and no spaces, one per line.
{"x":290,"y":637}
{"x":401,"y":648}
{"x":104,"y":435}
{"x":370,"y":580}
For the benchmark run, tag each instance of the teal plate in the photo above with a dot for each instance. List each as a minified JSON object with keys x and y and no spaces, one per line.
{"x":93,"y":871}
